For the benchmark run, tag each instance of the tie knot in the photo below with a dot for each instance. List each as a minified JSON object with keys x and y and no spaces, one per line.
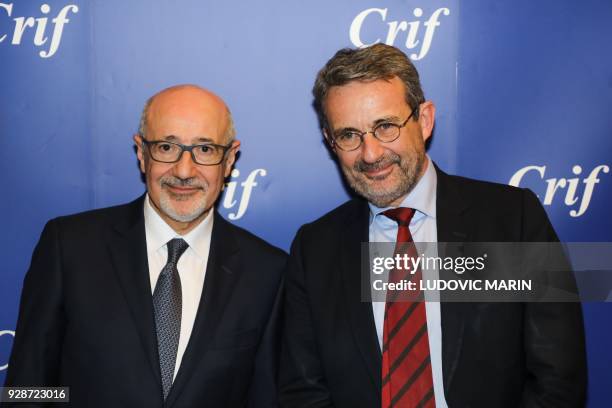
{"x":176,"y":248}
{"x":401,"y":215}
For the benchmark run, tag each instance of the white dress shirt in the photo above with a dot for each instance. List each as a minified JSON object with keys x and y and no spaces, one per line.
{"x":191,"y":265}
{"x":423,"y":229}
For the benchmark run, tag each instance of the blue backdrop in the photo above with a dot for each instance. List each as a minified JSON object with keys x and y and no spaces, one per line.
{"x":523,"y":91}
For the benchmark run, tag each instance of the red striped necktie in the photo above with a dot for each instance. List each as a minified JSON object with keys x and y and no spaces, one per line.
{"x":406,"y":368}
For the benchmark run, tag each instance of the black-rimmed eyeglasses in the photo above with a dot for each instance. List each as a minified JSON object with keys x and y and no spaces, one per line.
{"x":386,"y":132}
{"x":207,"y":154}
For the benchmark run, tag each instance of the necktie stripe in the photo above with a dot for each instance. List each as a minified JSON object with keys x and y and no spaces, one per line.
{"x":426,"y":399}
{"x":417,"y":391}
{"x":398,"y":360}
{"x":421,"y":383}
{"x":400,"y":393}
{"x":407,"y":336}
{"x":396,"y":327}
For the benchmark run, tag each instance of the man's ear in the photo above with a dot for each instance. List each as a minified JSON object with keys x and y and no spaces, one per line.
{"x":328,"y":140}
{"x":427,"y":118}
{"x":140,"y":152}
{"x":231,"y":158}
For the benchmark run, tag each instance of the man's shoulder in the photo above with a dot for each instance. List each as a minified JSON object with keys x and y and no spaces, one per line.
{"x":251,"y":242}
{"x":352,"y":208}
{"x":336,"y":220}
{"x":101,"y":217}
{"x":483,"y":195}
{"x":473,"y":187}
{"x":506,"y":212}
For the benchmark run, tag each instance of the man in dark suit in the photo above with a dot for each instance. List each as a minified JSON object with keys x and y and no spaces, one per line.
{"x":340,"y":351}
{"x":159,"y":302}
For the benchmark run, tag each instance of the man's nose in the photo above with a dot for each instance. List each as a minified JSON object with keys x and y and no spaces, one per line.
{"x":371,"y":148}
{"x":185,"y":167}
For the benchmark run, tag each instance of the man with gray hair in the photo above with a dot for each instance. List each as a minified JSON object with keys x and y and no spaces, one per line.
{"x":159,"y":302}
{"x":341,"y":351}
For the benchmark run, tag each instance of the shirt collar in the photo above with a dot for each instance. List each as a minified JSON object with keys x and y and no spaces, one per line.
{"x":159,"y":232}
{"x":422,"y":197}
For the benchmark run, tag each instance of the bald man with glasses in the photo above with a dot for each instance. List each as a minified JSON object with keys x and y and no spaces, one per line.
{"x":159,"y":302}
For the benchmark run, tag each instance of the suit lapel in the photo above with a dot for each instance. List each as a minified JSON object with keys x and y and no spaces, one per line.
{"x":453,"y":225}
{"x":221,"y":272}
{"x":360,"y":313}
{"x":128,"y":251}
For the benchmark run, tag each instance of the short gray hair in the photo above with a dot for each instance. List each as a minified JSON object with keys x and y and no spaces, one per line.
{"x":379,"y":61}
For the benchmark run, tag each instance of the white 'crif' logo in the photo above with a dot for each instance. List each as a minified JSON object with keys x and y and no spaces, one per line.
{"x":407,"y":31}
{"x":39,"y":24}
{"x":5,"y":333}
{"x":570,"y":184}
{"x":247,"y":188}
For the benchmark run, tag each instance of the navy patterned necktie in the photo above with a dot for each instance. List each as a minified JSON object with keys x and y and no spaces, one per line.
{"x":168,"y":305}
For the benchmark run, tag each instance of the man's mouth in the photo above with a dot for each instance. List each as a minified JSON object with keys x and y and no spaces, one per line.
{"x":178,"y":189}
{"x":379,"y":172}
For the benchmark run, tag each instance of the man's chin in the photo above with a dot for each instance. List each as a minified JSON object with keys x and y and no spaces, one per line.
{"x":383,"y":200}
{"x":185,"y":216}
{"x":379,"y":196}
{"x":176,"y":209}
